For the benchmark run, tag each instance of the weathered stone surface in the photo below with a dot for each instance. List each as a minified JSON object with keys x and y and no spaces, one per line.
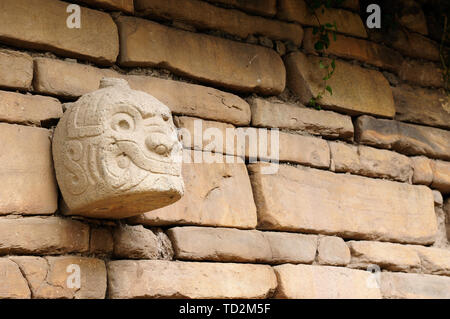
{"x":42,"y":235}
{"x":423,"y":74}
{"x":441,"y":176}
{"x":414,"y":286}
{"x":422,"y":106}
{"x":388,"y":256}
{"x":49,"y":278}
{"x":333,"y":251}
{"x":438,"y":199}
{"x":423,"y":171}
{"x":122,"y":5}
{"x":135,"y":242}
{"x":203,"y":15}
{"x":259,"y":7}
{"x":434,"y":260}
{"x":297,"y":10}
{"x":248,"y":141}
{"x":16,"y":70}
{"x":442,"y":236}
{"x":294,"y":117}
{"x":233,"y":245}
{"x":180,"y":97}
{"x":447,"y":218}
{"x":168,"y":279}
{"x":97,"y":40}
{"x":12,"y":284}
{"x":117,"y":153}
{"x":413,"y":44}
{"x":101,"y":241}
{"x":353,"y":48}
{"x":345,"y":205}
{"x":404,"y":138}
{"x":243,"y":67}
{"x":28,"y":180}
{"x":412,"y":17}
{"x":355,"y":90}
{"x":369,"y":161}
{"x":217,"y":194}
{"x":323,"y":282}
{"x":28,"y":109}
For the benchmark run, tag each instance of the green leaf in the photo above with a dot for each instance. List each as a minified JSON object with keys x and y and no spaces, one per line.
{"x":318,"y":46}
{"x":328,"y":25}
{"x":333,"y":64}
{"x":329,"y":89}
{"x":315,"y":30}
{"x":321,"y":65}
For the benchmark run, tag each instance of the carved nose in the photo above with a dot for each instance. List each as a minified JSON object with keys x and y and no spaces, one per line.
{"x":159,"y":143}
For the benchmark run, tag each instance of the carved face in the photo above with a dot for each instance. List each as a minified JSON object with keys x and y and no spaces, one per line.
{"x":119,"y":141}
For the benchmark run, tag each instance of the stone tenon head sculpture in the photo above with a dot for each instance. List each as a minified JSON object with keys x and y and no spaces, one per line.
{"x":116,"y":153}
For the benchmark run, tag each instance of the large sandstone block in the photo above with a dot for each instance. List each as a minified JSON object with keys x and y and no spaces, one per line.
{"x":441,"y":176}
{"x":243,"y":67}
{"x":413,"y":44}
{"x":258,"y":7}
{"x":252,"y":142}
{"x":203,"y":15}
{"x":358,"y":49}
{"x":434,"y":261}
{"x":323,"y":282}
{"x":28,"y":180}
{"x":12,"y":283}
{"x":96,"y":40}
{"x":16,"y":70}
{"x":298,"y":11}
{"x":217,"y":194}
{"x":28,"y":109}
{"x":332,"y":251}
{"x":135,"y":242}
{"x":388,"y":256}
{"x":369,"y":161}
{"x":355,"y":90}
{"x":423,"y":171}
{"x":180,"y":97}
{"x":414,"y":286}
{"x":309,"y":200}
{"x":422,"y":106}
{"x":168,"y":279}
{"x":423,"y":74}
{"x":233,"y":245}
{"x":122,"y":5}
{"x":50,"y":277}
{"x":294,"y":117}
{"x":42,"y":235}
{"x":404,"y":138}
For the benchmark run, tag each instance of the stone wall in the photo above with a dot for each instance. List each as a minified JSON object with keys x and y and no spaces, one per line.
{"x":364,"y":181}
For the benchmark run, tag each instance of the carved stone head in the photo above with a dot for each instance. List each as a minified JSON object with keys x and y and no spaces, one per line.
{"x":117,"y":154}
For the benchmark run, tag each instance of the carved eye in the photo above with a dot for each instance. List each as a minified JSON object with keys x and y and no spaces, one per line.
{"x":122,"y":122}
{"x":165,"y":117}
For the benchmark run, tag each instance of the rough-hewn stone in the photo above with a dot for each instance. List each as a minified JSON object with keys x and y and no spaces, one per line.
{"x":297,"y":10}
{"x":423,"y":172}
{"x":243,"y":67}
{"x":217,"y":194}
{"x":323,"y":282}
{"x":422,"y":106}
{"x":259,"y":7}
{"x":345,"y":205}
{"x":441,"y":176}
{"x":355,"y":90}
{"x":135,"y":242}
{"x":413,"y":44}
{"x":233,"y":245}
{"x":294,"y":117}
{"x":180,"y":97}
{"x":434,"y":260}
{"x":414,"y":286}
{"x":97,"y":40}
{"x":333,"y":251}
{"x":404,"y":138}
{"x":101,"y":241}
{"x":122,"y":5}
{"x":369,"y":161}
{"x":203,"y":15}
{"x":16,"y":70}
{"x":49,"y":278}
{"x":28,"y":109}
{"x":26,"y":167}
{"x":12,"y":283}
{"x":423,"y":74}
{"x":42,"y":235}
{"x":353,"y":48}
{"x":169,"y":279}
{"x":388,"y":256}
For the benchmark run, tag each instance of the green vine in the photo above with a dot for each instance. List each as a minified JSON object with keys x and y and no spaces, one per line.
{"x":323,"y":42}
